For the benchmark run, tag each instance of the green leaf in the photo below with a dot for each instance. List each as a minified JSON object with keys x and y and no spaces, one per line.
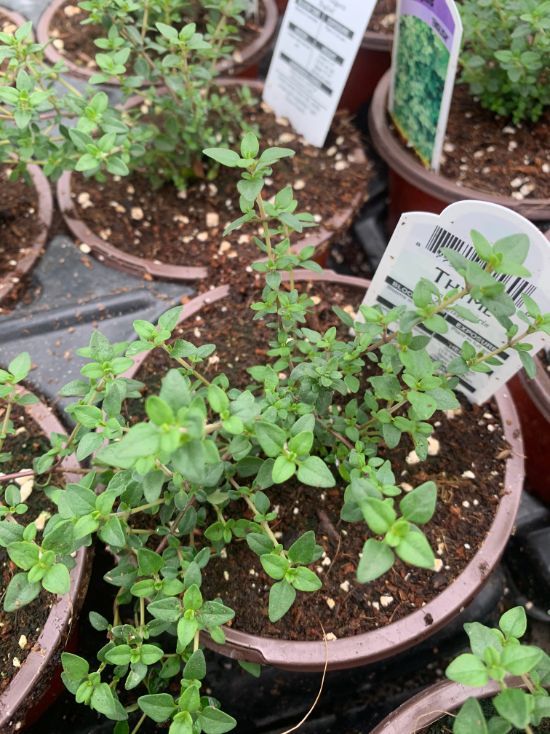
{"x":470,"y":719}
{"x":186,"y":631}
{"x":75,"y":669}
{"x":379,"y":514}
{"x":468,"y":670}
{"x":315,"y":473}
{"x":223,"y":155}
{"x":376,"y":559}
{"x":157,"y":706}
{"x":57,"y":580}
{"x":415,"y":550}
{"x":249,"y":146}
{"x":254,"y":669}
{"x":119,"y":655}
{"x":418,"y":506}
{"x":274,"y":565}
{"x":150,"y":654}
{"x":195,"y":668}
{"x":112,"y":533}
{"x":528,"y":364}
{"x":482,"y":245}
{"x":498,"y":725}
{"x":301,"y":443}
{"x":149,"y":562}
{"x":305,"y":579}
{"x":482,"y":637}
{"x":281,"y":598}
{"x":23,"y":554}
{"x":303,"y":549}
{"x":20,"y":366}
{"x":270,"y":437}
{"x":283,"y":469}
{"x":214,"y":721}
{"x":158,"y":411}
{"x":20,"y":592}
{"x":514,"y":622}
{"x":515,"y":706}
{"x":104,"y":701}
{"x":520,"y":659}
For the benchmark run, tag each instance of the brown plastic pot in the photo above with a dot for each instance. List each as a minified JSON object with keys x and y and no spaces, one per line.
{"x":319,"y":237}
{"x":388,"y":641}
{"x":242,"y":63}
{"x":532,"y":398}
{"x":432,"y":704}
{"x":371,"y":63}
{"x":37,"y":681}
{"x":415,"y":188}
{"x":28,"y":256}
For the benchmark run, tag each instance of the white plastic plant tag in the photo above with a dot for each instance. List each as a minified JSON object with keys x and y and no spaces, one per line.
{"x":415,"y":251}
{"x":315,"y":49}
{"x":425,"y":52}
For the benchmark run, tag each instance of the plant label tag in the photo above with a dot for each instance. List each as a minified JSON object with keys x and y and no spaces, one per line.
{"x":317,"y":44}
{"x":415,"y":251}
{"x":426,"y":45}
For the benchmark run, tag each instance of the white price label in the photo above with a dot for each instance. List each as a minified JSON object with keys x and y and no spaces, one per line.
{"x":316,"y":47}
{"x":415,"y":251}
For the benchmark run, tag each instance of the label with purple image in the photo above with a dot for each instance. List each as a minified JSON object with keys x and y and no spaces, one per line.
{"x":426,"y":45}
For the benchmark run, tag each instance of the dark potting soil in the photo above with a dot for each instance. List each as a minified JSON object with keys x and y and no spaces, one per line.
{"x":469,"y":442}
{"x":188,"y":229}
{"x":19,"y":223}
{"x":20,"y":630}
{"x":76,"y":41}
{"x":488,"y":153}
{"x":383,"y":17}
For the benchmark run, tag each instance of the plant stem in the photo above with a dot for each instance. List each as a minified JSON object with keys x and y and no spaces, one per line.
{"x":265,"y":223}
{"x":263,"y":523}
{"x":137,"y":727}
{"x":144,"y":25}
{"x":188,"y":367}
{"x":7,"y":414}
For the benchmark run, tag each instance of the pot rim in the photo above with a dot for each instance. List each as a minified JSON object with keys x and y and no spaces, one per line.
{"x":140,"y":266}
{"x":27,"y":258}
{"x":250,"y":54}
{"x":63,"y":613}
{"x":434,"y":702}
{"x":405,"y":165}
{"x":376,"y":41}
{"x":379,"y":644}
{"x":14,"y":16}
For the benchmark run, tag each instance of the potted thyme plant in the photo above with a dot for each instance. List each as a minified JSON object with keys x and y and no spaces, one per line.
{"x":495,"y":147}
{"x":74,"y":31}
{"x":511,"y":679}
{"x":167,"y":216}
{"x":177,"y":481}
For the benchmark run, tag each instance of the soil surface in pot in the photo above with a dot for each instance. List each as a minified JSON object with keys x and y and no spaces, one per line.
{"x":161,"y":225}
{"x":20,"y":630}
{"x":76,"y":41}
{"x":383,"y":17}
{"x":488,"y":153}
{"x":19,"y":222}
{"x":468,"y":465}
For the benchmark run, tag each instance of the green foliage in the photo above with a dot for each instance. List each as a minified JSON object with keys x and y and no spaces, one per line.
{"x":201,"y":469}
{"x":495,"y":655}
{"x":148,"y":50}
{"x":421,"y":70}
{"x":506,"y":55}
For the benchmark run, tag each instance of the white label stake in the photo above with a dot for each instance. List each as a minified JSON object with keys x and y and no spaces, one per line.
{"x":317,"y":44}
{"x":414,"y":252}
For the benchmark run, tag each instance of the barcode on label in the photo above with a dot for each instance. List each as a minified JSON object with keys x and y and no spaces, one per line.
{"x":515,"y":286}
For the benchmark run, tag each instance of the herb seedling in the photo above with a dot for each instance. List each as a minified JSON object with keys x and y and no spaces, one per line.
{"x":202,"y":469}
{"x":181,"y":110}
{"x":496,"y":654}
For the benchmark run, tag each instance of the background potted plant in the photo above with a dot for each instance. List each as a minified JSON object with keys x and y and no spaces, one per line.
{"x":158,"y":139}
{"x":30,"y":650}
{"x":177,"y":481}
{"x":245,"y":28}
{"x":501,"y":703}
{"x":502,"y":95}
{"x":27,"y":205}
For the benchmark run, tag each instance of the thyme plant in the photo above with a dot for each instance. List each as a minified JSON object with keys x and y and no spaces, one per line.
{"x":201,"y":470}
{"x":45,"y":120}
{"x":496,"y":654}
{"x":506,"y":55}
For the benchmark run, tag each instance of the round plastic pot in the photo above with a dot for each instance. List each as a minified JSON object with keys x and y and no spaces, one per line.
{"x":415,"y":188}
{"x":430,"y":705}
{"x":371,"y":63}
{"x":37,"y":682}
{"x":532,"y":398}
{"x":386,"y":642}
{"x":319,"y":237}
{"x":28,"y":256}
{"x":242,"y":63}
